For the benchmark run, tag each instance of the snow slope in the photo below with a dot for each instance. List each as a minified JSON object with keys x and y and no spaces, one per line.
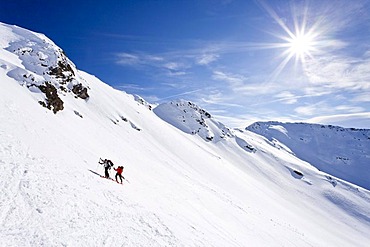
{"x":342,"y":152}
{"x":183,"y":190}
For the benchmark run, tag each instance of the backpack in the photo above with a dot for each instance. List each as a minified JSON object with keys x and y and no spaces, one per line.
{"x":109,"y":163}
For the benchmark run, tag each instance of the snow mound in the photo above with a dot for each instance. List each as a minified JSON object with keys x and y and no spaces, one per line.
{"x":341,"y":152}
{"x":191,"y":119}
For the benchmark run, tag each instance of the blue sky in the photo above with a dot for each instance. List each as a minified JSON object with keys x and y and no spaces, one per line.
{"x":242,"y":61}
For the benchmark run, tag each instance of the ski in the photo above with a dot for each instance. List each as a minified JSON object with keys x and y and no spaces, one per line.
{"x":107,"y":178}
{"x":111,"y":179}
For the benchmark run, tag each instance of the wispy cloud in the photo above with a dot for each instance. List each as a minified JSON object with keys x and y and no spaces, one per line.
{"x":352,"y":120}
{"x":176,"y":73}
{"x":324,"y":108}
{"x":173,"y":66}
{"x":286,"y":97}
{"x":242,"y":85}
{"x":128,"y":59}
{"x":132,"y":87}
{"x":311,"y":110}
{"x":336,"y":71}
{"x":362,"y":97}
{"x":133,"y":59}
{"x":217,"y":98}
{"x":235,"y":81}
{"x":143,"y":61}
{"x":349,"y":109}
{"x":179,"y":94}
{"x":206,"y":59}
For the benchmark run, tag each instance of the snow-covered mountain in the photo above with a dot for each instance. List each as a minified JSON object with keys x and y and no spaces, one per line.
{"x":192,"y":119}
{"x":188,"y":183}
{"x":338,"y":151}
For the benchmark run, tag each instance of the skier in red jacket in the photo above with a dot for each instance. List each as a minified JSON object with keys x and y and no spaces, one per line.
{"x":119,"y":171}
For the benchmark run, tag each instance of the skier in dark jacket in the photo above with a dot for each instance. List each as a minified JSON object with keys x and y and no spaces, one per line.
{"x":107,"y":165}
{"x":119,"y":171}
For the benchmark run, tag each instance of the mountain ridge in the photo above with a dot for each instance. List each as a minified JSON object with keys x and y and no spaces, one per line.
{"x":338,"y":151}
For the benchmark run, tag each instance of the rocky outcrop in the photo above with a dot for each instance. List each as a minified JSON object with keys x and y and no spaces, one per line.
{"x":52,"y":102}
{"x":62,"y":70}
{"x":45,"y":69}
{"x":80,"y":91}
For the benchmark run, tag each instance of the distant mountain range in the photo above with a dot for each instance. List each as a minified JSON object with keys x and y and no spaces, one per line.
{"x":341,"y":152}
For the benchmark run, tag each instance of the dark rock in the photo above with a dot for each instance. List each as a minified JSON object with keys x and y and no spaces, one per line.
{"x":53,"y":102}
{"x":298,"y":173}
{"x":78,"y":114}
{"x":80,"y":91}
{"x":60,"y":69}
{"x":209,"y":138}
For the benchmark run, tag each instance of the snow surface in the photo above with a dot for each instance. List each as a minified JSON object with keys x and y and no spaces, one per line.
{"x":181,"y":189}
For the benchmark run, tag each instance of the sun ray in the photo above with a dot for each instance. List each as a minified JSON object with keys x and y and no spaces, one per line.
{"x":276,"y":17}
{"x":281,"y":66}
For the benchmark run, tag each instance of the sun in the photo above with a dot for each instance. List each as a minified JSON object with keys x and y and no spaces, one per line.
{"x":301,"y":45}
{"x":297,"y":44}
{"x":300,"y":37}
{"x":300,"y":42}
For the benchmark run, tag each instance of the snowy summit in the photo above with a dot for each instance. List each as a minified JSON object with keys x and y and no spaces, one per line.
{"x":189,"y":179}
{"x":192,"y":119}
